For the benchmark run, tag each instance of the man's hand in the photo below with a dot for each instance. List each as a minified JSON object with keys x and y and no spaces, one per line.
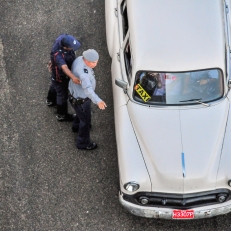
{"x":76,"y":80}
{"x":49,"y":66}
{"x":70,"y":74}
{"x":102,"y":105}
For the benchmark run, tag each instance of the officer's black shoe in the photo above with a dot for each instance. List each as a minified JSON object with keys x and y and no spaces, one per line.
{"x":51,"y":98}
{"x":50,"y":103}
{"x":90,"y":147}
{"x":67,"y":117}
{"x":70,"y":117}
{"x":75,"y":129}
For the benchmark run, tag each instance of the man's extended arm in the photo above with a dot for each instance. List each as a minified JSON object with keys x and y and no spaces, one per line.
{"x":88,"y":90}
{"x":70,"y":75}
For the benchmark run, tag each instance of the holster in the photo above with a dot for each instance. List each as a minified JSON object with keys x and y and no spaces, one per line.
{"x":77,"y":101}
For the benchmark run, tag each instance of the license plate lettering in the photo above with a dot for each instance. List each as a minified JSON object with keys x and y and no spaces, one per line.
{"x":183,"y":214}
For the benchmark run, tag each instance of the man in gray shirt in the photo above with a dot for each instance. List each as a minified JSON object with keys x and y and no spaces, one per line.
{"x":81,"y":95}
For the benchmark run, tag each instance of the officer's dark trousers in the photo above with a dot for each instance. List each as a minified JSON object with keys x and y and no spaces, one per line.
{"x":60,"y":89}
{"x":83,"y":121}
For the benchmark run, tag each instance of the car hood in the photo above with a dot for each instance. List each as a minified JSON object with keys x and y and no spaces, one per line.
{"x":181,"y":146}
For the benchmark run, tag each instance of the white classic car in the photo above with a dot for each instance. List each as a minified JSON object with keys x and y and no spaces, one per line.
{"x":171,"y":86}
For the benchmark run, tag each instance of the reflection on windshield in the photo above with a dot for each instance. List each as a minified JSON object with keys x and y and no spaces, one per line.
{"x":178,"y":88}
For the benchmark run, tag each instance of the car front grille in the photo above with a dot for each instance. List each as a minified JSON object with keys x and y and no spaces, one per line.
{"x":179,"y":201}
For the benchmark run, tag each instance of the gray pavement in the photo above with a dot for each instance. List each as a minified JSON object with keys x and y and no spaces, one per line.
{"x":45,"y":182}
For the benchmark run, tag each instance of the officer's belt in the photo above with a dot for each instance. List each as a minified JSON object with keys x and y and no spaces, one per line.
{"x":77,"y":101}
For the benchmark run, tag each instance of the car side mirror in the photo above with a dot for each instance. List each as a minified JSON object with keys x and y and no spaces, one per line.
{"x":229,"y":83}
{"x":122,"y":84}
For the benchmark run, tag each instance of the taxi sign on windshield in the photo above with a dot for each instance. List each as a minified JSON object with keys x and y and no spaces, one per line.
{"x":142,"y":93}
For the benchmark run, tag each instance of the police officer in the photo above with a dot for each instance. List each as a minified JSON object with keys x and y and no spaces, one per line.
{"x":62,"y":56}
{"x":80,"y":97}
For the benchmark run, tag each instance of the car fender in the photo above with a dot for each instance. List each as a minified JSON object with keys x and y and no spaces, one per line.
{"x":224,"y":172}
{"x":130,"y":159}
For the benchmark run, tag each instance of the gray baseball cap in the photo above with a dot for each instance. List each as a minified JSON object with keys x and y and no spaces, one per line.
{"x":91,"y":55}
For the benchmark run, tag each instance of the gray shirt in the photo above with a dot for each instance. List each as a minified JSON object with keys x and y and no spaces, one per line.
{"x":88,"y":82}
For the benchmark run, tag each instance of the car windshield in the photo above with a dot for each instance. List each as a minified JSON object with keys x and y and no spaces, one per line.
{"x":178,"y":88}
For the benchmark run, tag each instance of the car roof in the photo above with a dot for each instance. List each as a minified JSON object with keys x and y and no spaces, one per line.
{"x":176,"y":35}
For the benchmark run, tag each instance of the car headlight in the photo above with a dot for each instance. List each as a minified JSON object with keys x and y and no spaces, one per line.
{"x":229,"y":183}
{"x":222,"y":197}
{"x":131,"y":186}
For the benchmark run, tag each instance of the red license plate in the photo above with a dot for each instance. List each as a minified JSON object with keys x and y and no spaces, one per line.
{"x":183,"y":214}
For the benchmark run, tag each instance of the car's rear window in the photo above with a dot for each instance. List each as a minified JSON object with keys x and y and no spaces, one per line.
{"x":178,"y":88}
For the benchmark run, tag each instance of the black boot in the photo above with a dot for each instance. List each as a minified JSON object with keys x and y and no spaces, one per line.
{"x":63,"y":113}
{"x":51,"y":98}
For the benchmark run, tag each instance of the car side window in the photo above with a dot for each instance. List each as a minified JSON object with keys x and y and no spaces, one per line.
{"x":128,"y":60}
{"x":124,"y":17}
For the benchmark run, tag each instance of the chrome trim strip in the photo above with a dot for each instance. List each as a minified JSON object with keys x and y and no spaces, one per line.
{"x":183,"y":164}
{"x":166,"y":213}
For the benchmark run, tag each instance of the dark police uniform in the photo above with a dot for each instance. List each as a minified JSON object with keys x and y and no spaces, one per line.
{"x":58,"y":92}
{"x":80,"y":96}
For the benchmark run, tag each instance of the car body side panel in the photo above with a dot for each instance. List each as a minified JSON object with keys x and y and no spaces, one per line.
{"x":228,"y":2}
{"x":224,"y":173}
{"x":116,"y":71}
{"x":109,"y":5}
{"x":131,"y":163}
{"x":111,"y":23}
{"x":202,"y":138}
{"x":158,"y":133}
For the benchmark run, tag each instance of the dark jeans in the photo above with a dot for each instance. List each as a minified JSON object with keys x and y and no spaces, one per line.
{"x":83,"y":121}
{"x":60,"y":90}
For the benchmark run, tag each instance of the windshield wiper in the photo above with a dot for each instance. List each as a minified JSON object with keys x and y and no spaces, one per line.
{"x":197,"y":100}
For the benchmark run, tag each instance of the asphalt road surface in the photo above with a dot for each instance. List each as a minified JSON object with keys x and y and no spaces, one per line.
{"x":45,"y":182}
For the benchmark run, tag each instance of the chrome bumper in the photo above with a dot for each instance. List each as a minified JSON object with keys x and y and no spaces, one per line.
{"x":166,"y":213}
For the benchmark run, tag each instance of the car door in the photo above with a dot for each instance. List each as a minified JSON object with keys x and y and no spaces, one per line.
{"x":121,"y":58}
{"x":227,"y":24}
{"x":111,"y":23}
